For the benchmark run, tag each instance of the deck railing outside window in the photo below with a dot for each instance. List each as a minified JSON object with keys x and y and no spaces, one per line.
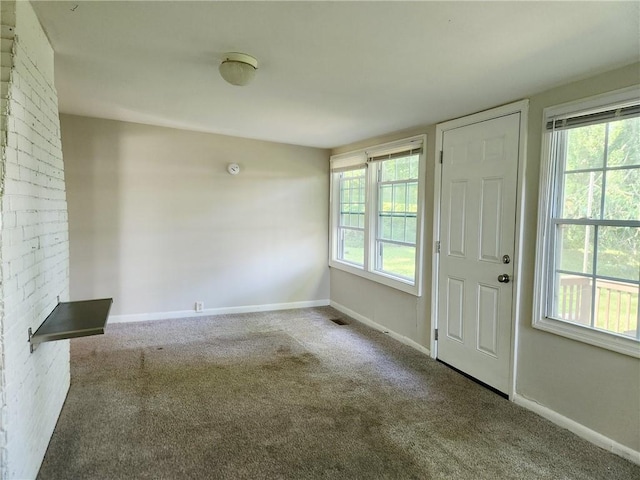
{"x":616,"y":305}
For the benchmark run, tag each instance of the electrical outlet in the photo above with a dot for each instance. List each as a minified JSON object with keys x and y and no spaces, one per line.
{"x":199,"y":306}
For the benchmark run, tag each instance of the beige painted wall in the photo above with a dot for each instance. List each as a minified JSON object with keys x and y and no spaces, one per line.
{"x":597,"y":388}
{"x":157,"y":223}
{"x":593,"y":386}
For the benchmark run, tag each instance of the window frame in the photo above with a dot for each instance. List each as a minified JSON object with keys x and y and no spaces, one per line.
{"x":549,"y":190}
{"x":352,"y":160}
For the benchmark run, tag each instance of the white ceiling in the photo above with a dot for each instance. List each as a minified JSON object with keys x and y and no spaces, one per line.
{"x":330,"y":73}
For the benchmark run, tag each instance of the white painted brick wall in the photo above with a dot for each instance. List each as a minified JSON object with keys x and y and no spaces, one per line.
{"x":34,"y":247}
{"x":7,"y":31}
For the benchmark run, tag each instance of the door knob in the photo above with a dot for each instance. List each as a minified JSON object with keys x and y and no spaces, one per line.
{"x":504,"y":278}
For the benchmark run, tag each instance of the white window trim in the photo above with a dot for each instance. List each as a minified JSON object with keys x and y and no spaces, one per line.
{"x":607,"y":340}
{"x":359,"y":157}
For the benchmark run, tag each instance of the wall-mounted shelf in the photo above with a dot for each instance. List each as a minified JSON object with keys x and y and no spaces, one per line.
{"x":71,"y":320}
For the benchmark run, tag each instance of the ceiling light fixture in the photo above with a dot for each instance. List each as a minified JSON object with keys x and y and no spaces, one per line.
{"x":238,"y":68}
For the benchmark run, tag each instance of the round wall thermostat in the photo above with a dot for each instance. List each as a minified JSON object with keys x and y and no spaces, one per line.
{"x":233,"y":168}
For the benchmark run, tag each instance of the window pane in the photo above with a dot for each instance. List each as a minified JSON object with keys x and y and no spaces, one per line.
{"x":572,"y":298}
{"x":356,"y":173}
{"x":624,"y":142}
{"x":622,"y":194}
{"x":575,"y":248}
{"x":345,"y":194}
{"x":398,"y":260}
{"x":412,"y":197}
{"x":619,"y":252}
{"x":617,"y":307}
{"x":388,"y":171}
{"x":412,"y":225}
{"x":397,"y":231}
{"x":357,"y":191}
{"x":415,"y":165}
{"x":404,"y":168}
{"x":581,"y":195}
{"x":399,"y":197}
{"x":353,"y":247}
{"x":384,"y":225}
{"x":585,"y":147}
{"x":386,"y":198}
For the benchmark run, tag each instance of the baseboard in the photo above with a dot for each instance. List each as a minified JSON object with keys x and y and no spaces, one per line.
{"x":579,"y":429}
{"x":376,"y":326}
{"x":142,"y":317}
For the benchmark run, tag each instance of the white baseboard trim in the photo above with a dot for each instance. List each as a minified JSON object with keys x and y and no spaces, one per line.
{"x":579,"y":429}
{"x":381,"y":328}
{"x":143,"y":317}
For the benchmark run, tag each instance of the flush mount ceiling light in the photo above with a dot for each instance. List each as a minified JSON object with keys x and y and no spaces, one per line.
{"x":238,"y":68}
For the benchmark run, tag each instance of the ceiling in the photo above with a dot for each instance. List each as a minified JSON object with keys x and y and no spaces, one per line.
{"x":330,"y":73}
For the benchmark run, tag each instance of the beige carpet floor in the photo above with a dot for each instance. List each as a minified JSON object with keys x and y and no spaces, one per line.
{"x":292,"y":395}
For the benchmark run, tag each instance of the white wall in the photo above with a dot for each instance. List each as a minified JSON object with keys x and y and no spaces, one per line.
{"x":34,"y":248}
{"x":157,"y":223}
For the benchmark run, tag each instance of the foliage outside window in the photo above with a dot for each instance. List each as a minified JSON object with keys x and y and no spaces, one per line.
{"x":377,"y":198}
{"x":590,"y":268}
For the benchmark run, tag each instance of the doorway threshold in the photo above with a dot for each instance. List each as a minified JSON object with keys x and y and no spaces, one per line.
{"x":475,"y":380}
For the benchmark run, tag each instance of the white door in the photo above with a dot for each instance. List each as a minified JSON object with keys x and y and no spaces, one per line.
{"x":477,"y":241}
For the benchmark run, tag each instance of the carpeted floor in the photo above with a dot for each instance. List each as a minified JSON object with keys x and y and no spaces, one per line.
{"x":292,"y":395}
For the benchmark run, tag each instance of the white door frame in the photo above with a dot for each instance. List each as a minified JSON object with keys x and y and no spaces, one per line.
{"x":521,"y":107}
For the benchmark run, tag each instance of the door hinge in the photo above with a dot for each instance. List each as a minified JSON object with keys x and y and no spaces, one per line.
{"x":437,"y":246}
{"x":441,"y":155}
{"x":436,"y":333}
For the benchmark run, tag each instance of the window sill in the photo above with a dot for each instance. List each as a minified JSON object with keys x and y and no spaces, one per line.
{"x":609,"y":341}
{"x":387,"y":280}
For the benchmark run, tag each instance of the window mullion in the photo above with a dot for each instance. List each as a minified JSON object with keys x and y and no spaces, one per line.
{"x":591,"y":221}
{"x":396,"y":242}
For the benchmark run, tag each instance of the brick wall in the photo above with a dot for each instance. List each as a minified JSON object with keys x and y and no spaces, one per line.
{"x":7,"y":28}
{"x":34,"y":246}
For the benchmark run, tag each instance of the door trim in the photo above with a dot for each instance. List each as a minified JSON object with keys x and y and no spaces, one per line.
{"x":521,"y":107}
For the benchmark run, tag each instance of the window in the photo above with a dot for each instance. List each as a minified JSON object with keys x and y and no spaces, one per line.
{"x":377,"y":198}
{"x":589,"y":234}
{"x":351,"y":219}
{"x":397,"y":215}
